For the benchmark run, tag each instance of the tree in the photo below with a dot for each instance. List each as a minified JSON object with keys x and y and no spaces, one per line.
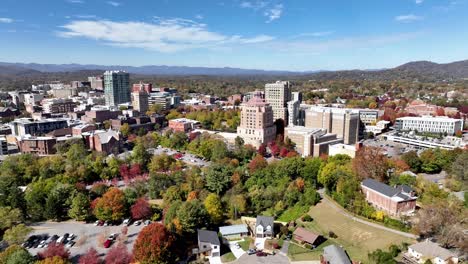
{"x":154,"y":244}
{"x":17,"y":234}
{"x":9,"y":217}
{"x":370,"y":162}
{"x":80,"y":207}
{"x":258,"y":162}
{"x":21,"y":256}
{"x":54,"y":260}
{"x":214,"y":208}
{"x":125,"y":130}
{"x":90,"y":257}
{"x":262,"y":150}
{"x":54,"y":250}
{"x":218,"y":178}
{"x":118,"y":255}
{"x":192,"y":216}
{"x":140,"y":155}
{"x":411,"y":158}
{"x":111,"y":206}
{"x":459,"y":167}
{"x":161,"y":163}
{"x":141,"y":209}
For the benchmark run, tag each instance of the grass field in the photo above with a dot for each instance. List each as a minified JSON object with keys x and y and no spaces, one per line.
{"x":298,"y":253}
{"x":245,"y":244}
{"x":358,"y":239}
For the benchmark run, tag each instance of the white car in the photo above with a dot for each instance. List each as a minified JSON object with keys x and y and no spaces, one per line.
{"x":60,"y":240}
{"x":126,"y":222}
{"x":147,"y":222}
{"x":137,"y":223}
{"x":112,"y":236}
{"x":70,"y":244}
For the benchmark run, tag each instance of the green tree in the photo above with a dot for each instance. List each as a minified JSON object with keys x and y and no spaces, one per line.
{"x":192,"y":216}
{"x":17,"y":234}
{"x":125,"y":130}
{"x":140,"y":155}
{"x":9,"y":217}
{"x":161,"y":163}
{"x":21,"y":256}
{"x":218,"y":178}
{"x":459,"y":167}
{"x":214,"y":208}
{"x":412,"y":159}
{"x":80,"y":207}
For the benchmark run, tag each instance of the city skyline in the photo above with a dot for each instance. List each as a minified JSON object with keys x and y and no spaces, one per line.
{"x":270,"y":34}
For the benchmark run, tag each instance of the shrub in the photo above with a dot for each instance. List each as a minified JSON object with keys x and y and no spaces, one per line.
{"x":307,"y":218}
{"x":332,"y":234}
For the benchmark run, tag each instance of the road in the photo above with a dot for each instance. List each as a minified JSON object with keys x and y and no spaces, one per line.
{"x":325,"y":199}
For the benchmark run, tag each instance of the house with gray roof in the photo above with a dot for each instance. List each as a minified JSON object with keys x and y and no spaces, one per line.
{"x":233,"y":232}
{"x":396,"y":200}
{"x":428,"y":250}
{"x":334,"y":254}
{"x":264,"y":227}
{"x":208,"y":243}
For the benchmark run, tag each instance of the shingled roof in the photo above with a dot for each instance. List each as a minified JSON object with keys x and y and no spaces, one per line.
{"x":401,"y":191}
{"x":432,"y":250}
{"x":208,"y":236}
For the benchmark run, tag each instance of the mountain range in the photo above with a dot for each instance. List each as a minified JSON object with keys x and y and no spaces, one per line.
{"x":421,"y":70}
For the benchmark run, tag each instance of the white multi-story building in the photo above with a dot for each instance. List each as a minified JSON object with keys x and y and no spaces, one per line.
{"x":278,"y":95}
{"x":293,"y":113}
{"x":140,"y":101}
{"x":440,"y":124}
{"x":311,"y":141}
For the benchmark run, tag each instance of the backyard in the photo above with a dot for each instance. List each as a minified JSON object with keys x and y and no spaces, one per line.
{"x":357,"y":238}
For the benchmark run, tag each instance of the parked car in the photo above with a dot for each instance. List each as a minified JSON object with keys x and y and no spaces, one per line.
{"x":126,"y":222}
{"x":71,"y":237}
{"x":60,"y":239}
{"x":112,"y":236}
{"x":251,"y":251}
{"x":70,"y":244}
{"x":99,"y":223}
{"x":237,"y":245}
{"x":137,"y":223}
{"x":108,"y":243}
{"x":106,"y":223}
{"x":147,"y":222}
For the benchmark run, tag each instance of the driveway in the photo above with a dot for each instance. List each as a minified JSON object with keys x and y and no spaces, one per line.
{"x":238,"y":252}
{"x":270,"y":259}
{"x":285,"y":248}
{"x":215,"y":260}
{"x":260,"y":243}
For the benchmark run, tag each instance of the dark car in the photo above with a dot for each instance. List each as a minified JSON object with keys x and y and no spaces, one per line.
{"x":251,"y":251}
{"x":261,"y":254}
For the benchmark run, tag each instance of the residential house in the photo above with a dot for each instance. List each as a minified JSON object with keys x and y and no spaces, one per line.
{"x":334,"y":254}
{"x":393,"y":200}
{"x":427,"y":250}
{"x":233,"y":232}
{"x":305,"y":236}
{"x":264,"y":227}
{"x":208,"y":243}
{"x":8,"y":112}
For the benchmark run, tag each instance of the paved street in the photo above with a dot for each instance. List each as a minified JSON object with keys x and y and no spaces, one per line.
{"x":87,"y":235}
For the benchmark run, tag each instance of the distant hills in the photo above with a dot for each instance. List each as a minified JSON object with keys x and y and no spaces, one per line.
{"x":418,"y":70}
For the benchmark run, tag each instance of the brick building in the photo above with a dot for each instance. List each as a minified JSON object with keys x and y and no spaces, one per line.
{"x":396,"y":200}
{"x":103,"y":141}
{"x":37,"y":145}
{"x":183,"y":125}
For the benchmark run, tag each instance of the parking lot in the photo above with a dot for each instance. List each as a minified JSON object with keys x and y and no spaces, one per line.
{"x":390,"y":148}
{"x":186,"y":157}
{"x":87,"y":235}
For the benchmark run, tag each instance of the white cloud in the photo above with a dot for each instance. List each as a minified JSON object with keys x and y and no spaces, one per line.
{"x":6,"y":20}
{"x":315,"y":34}
{"x":274,"y":13}
{"x":114,"y":4}
{"x":75,"y":1}
{"x":164,"y":35}
{"x":256,"y":5}
{"x":199,"y":16}
{"x":408,"y":18}
{"x":418,"y":2}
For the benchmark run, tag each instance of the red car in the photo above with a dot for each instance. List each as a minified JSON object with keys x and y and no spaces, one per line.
{"x":261,"y":254}
{"x":108,"y":243}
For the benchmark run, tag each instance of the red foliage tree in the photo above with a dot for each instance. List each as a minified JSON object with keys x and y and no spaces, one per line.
{"x":440,"y":111}
{"x":54,"y":249}
{"x":154,"y":244}
{"x":91,"y":257}
{"x":258,"y":162}
{"x":262,"y":150}
{"x":283,"y":152}
{"x":275,"y":150}
{"x":123,"y":169}
{"x":292,"y":154}
{"x":118,"y":255}
{"x":135,"y":170}
{"x":141,"y":209}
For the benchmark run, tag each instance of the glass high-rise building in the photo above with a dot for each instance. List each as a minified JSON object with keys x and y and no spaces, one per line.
{"x":116,"y":87}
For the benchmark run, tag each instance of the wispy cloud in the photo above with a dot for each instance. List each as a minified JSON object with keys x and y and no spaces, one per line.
{"x":75,"y":1}
{"x":114,"y":4}
{"x":256,"y":5}
{"x":199,"y":16}
{"x":315,"y":34}
{"x":274,"y":13}
{"x":164,"y":35}
{"x":418,"y":2}
{"x":408,"y":18}
{"x":6,"y":20}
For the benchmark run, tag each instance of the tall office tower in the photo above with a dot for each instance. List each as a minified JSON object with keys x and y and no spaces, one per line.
{"x":342,"y":122}
{"x":293,"y":113}
{"x":116,"y":87}
{"x":140,"y":101}
{"x":256,"y":126}
{"x":296,"y":96}
{"x":278,"y":95}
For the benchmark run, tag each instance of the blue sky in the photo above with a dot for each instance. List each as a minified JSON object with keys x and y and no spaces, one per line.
{"x":266,"y":34}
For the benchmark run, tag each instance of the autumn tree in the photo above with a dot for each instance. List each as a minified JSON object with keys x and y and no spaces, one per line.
{"x":258,"y":162}
{"x":9,"y":216}
{"x":54,"y":250}
{"x":17,"y":234}
{"x":412,"y":159}
{"x":125,"y":130}
{"x":54,"y":260}
{"x":118,"y":255}
{"x":370,"y":162}
{"x":90,"y":257}
{"x":141,"y":209}
{"x":154,"y":244}
{"x":214,"y":208}
{"x":111,"y":206}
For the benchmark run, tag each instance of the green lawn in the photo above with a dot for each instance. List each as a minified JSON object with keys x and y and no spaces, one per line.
{"x":245,"y":244}
{"x":298,"y":253}
{"x":293,"y":213}
{"x":228,"y":257}
{"x":358,"y":239}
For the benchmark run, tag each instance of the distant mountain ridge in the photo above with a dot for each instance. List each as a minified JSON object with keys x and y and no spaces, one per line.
{"x":421,"y":70}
